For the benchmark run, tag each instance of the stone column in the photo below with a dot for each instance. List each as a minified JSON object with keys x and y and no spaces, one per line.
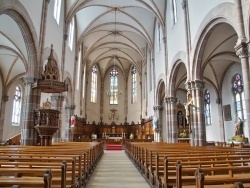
{"x":157,"y":131}
{"x":242,"y":50}
{"x":69,"y":111}
{"x":56,"y":104}
{"x":29,"y":135}
{"x":173,"y":120}
{"x":198,"y":113}
{"x":221,"y":121}
{"x":187,"y":33}
{"x":4,"y":100}
{"x":168,"y":120}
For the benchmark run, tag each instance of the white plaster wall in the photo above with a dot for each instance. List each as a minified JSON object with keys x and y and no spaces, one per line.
{"x":54,"y":35}
{"x":197,"y":12}
{"x":8,"y":129}
{"x":134,"y":109}
{"x":213,"y":130}
{"x":228,"y":98}
{"x":34,"y":9}
{"x":176,"y":40}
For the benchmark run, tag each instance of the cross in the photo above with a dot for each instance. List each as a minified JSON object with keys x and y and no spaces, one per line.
{"x":113,"y":113}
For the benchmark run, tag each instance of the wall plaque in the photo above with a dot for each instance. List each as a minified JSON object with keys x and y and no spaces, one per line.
{"x":227,"y":112}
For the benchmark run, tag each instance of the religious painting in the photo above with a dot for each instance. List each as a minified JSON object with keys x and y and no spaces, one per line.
{"x":227,"y":112}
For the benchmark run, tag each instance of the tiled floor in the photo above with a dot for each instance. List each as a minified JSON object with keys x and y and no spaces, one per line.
{"x":115,"y":170}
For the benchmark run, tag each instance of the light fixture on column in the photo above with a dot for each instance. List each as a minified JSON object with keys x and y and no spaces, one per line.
{"x":114,"y":91}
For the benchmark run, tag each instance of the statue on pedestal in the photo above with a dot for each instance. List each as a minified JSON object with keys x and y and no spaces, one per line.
{"x":238,"y":127}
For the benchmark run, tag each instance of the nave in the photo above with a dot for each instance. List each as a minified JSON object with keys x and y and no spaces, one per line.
{"x":116,"y":170}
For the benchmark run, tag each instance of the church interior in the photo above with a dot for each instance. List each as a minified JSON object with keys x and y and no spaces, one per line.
{"x":112,"y":73}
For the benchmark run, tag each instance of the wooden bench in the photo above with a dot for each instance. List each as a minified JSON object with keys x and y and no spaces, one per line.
{"x":225,"y":161}
{"x":28,"y":162}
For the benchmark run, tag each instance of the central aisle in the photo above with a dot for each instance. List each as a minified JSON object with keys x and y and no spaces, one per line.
{"x":116,"y":170}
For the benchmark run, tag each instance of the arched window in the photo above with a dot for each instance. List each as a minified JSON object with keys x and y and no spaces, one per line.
{"x":57,"y":9}
{"x":113,"y":86}
{"x":174,"y":11}
{"x":207,"y":109}
{"x":71,"y":33}
{"x":16,"y":113}
{"x":94,"y":84}
{"x":78,"y":70}
{"x":239,"y":96}
{"x":134,"y":85}
{"x":159,"y":37}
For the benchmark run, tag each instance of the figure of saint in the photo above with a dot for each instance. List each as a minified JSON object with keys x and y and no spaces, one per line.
{"x":238,"y":127}
{"x":187,"y":106}
{"x":155,"y":123}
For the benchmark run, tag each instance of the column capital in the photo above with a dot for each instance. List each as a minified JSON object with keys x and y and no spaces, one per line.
{"x":28,"y":80}
{"x":242,"y":50}
{"x":172,"y":100}
{"x":197,"y":85}
{"x":65,"y":37}
{"x":157,"y":107}
{"x":184,"y":4}
{"x":70,"y":107}
{"x":188,"y":85}
{"x":5,"y":98}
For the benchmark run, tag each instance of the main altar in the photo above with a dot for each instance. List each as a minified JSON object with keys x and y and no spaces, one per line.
{"x":113,"y":133}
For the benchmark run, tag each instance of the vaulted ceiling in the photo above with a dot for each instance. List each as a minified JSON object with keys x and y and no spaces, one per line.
{"x":119,"y":30}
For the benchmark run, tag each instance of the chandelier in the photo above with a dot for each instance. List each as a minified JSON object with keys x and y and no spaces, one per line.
{"x":114,"y":92}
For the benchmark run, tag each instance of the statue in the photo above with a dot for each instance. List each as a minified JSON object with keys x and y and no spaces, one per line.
{"x":238,"y":127}
{"x":155,"y":123}
{"x":187,"y":106}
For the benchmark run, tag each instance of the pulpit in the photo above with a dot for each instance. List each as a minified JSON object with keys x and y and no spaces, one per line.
{"x":46,"y":124}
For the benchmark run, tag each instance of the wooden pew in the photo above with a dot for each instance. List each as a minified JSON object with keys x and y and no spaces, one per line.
{"x":41,"y":157}
{"x":152,"y":164}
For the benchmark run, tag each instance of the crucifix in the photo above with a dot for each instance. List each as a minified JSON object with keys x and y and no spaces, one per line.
{"x":113,"y":113}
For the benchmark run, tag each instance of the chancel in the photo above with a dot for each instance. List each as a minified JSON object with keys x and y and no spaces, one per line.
{"x":133,"y":76}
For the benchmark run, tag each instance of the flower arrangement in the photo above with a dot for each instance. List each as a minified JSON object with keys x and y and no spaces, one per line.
{"x":117,"y":140}
{"x":183,"y":134}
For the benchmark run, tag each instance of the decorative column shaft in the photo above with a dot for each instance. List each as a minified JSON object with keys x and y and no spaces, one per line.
{"x":31,"y":102}
{"x":187,"y":33}
{"x":199,"y":108}
{"x":242,"y":50}
{"x":168,"y":120}
{"x":56,"y":104}
{"x":173,"y":119}
{"x":69,"y":111}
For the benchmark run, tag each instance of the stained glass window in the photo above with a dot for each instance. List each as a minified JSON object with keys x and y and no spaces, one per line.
{"x":207,"y":109}
{"x":239,"y":96}
{"x":113,"y":86}
{"x":16,"y":113}
{"x":134,"y":85}
{"x":94,"y":84}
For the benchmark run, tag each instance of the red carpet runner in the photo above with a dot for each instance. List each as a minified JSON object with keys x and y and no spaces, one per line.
{"x":113,"y":147}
